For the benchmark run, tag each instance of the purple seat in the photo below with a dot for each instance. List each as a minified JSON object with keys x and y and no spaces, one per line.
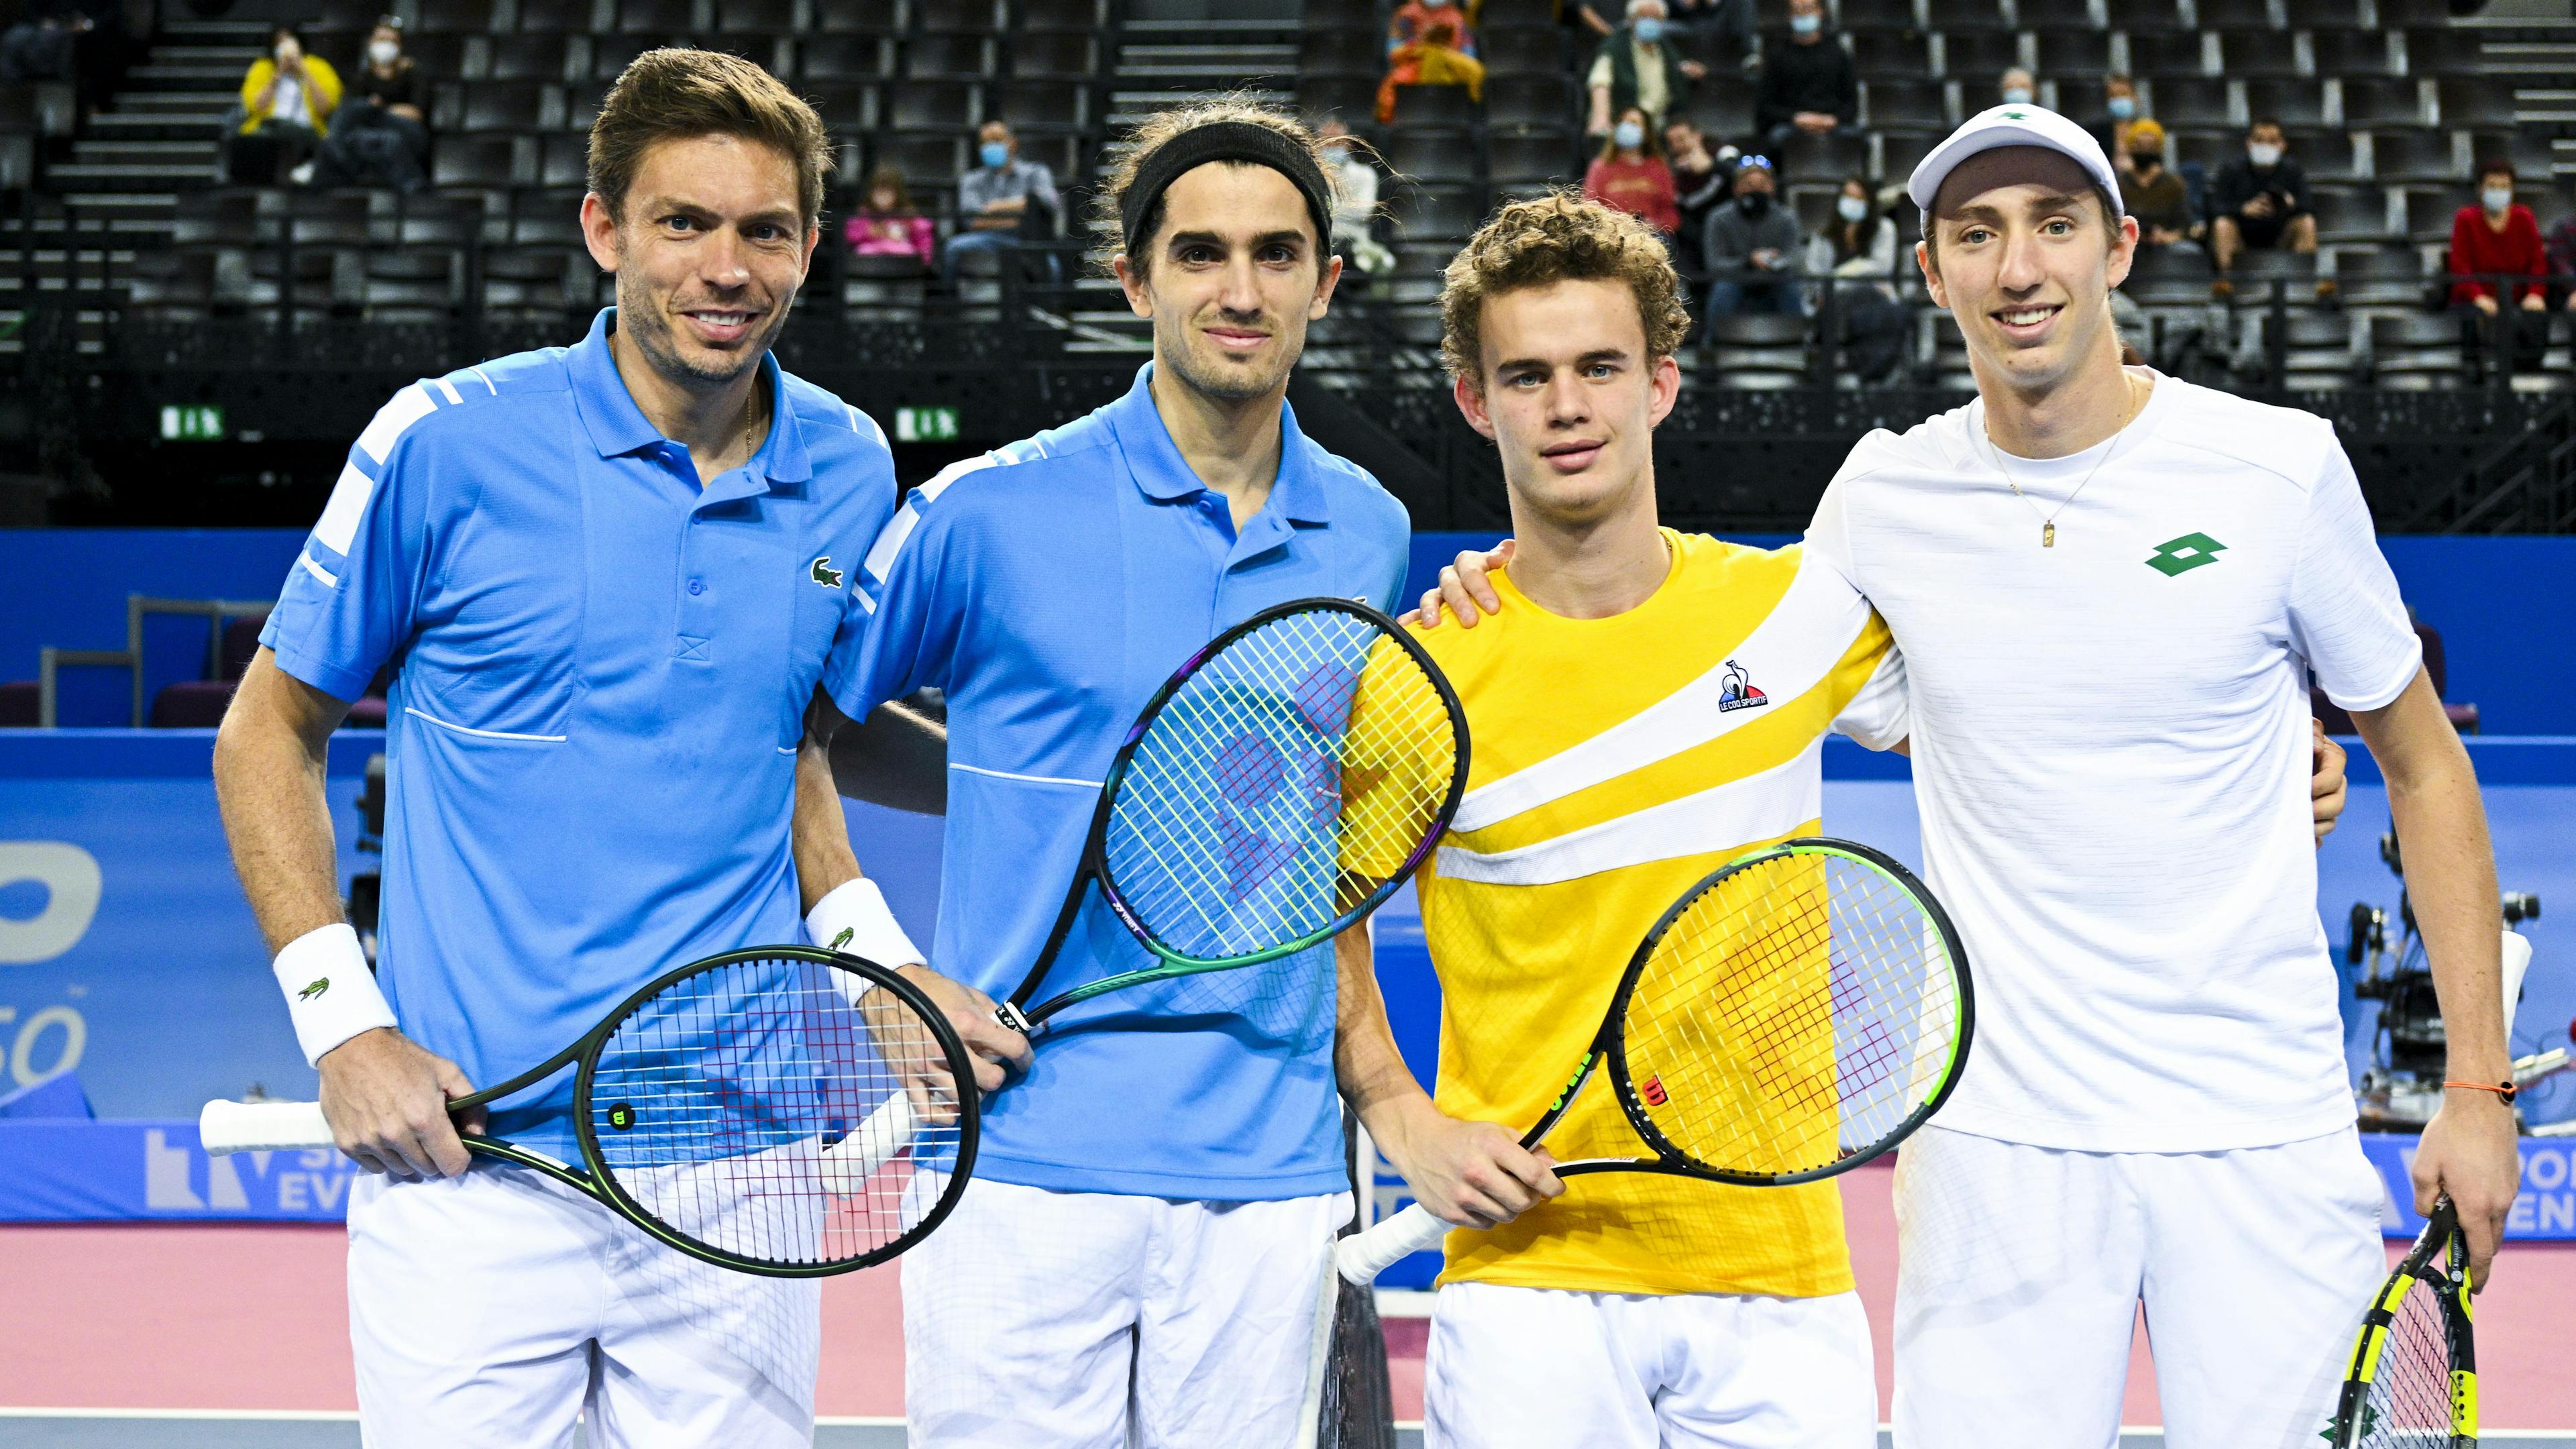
{"x":366,"y":714}
{"x":241,"y":642}
{"x":192,"y":704}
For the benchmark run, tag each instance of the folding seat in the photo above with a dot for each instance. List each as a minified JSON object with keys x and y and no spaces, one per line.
{"x":1352,"y":98}
{"x":1506,"y":50}
{"x":2371,"y":103}
{"x":563,"y":17}
{"x":563,"y":160}
{"x":1977,"y":59}
{"x":1532,"y":159}
{"x":923,"y":105}
{"x":2059,"y":15}
{"x":1065,"y":56}
{"x":658,"y":19}
{"x":2429,"y":210}
{"x":529,"y":58}
{"x":967,"y":17}
{"x":514,"y":106}
{"x":2476,"y":102}
{"x":953,"y":57}
{"x":1859,"y":16}
{"x":2293,"y":103}
{"x":1039,"y":107}
{"x":2167,"y":55}
{"x":1434,"y":106}
{"x":1903,"y":103}
{"x":2413,"y":153}
{"x":1432,"y":154}
{"x":1758,"y":350}
{"x":449,"y":17}
{"x":474,"y":161}
{"x":844,"y":57}
{"x":756,"y":17}
{"x":2415,"y":350}
{"x":1427,"y":213}
{"x":2235,"y":14}
{"x":2072,"y":56}
{"x":1059,"y":15}
{"x":1829,"y":157}
{"x":1953,"y":16}
{"x":611,"y":54}
{"x":2351,"y":213}
{"x":2443,"y":52}
{"x":2191,"y":101}
{"x":2248,"y":53}
{"x":1891,"y":53}
{"x":856,"y":17}
{"x":1529,"y":100}
{"x":2341,"y":50}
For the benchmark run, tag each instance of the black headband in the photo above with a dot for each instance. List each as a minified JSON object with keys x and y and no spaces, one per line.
{"x":1225,"y":141}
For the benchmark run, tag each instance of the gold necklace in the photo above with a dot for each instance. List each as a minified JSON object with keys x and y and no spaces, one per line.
{"x":2048,"y":521}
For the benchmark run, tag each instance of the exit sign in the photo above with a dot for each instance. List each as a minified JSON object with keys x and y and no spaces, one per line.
{"x":192,"y":424}
{"x":925,"y":425}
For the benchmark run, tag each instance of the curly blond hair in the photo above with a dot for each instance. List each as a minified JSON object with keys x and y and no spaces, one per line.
{"x":1108,"y":225}
{"x":1555,"y":238}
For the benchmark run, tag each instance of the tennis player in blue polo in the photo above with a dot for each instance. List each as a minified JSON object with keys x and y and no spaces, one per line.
{"x":1137,"y":1259}
{"x":610,"y":577}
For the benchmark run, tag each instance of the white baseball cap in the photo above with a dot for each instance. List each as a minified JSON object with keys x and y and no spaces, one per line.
{"x":2010,"y":124}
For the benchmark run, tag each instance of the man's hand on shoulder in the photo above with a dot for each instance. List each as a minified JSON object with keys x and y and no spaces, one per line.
{"x":1468,"y":1174}
{"x":1465,"y":589}
{"x":386,"y":1098}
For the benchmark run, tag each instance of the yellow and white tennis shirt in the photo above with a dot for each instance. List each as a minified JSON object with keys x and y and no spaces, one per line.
{"x":1615,"y":762}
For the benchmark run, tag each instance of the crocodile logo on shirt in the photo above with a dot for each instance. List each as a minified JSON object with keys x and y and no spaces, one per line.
{"x":826,"y":575}
{"x":2182,"y":555}
{"x":320,"y":985}
{"x":1738,"y":691}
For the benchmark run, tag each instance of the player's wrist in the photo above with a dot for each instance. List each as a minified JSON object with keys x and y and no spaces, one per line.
{"x":853,"y":918}
{"x":330,"y":991}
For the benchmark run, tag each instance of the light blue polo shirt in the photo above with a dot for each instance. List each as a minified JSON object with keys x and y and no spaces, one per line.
{"x":1049,"y":588}
{"x":604,"y":670}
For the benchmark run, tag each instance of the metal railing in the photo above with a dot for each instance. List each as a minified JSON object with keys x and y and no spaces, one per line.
{"x":51,"y":661}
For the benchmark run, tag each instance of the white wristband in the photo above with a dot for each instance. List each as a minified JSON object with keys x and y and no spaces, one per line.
{"x":853,"y":918}
{"x":329,"y":991}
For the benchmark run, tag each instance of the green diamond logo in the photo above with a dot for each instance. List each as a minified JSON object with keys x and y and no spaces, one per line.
{"x":2015,"y":116}
{"x":2182,"y":555}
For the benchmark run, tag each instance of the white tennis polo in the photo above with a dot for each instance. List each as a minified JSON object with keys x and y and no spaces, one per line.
{"x":2111,"y":754}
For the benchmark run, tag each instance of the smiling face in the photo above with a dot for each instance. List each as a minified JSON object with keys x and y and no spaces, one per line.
{"x":1231,"y":275}
{"x":2026,"y":262}
{"x":1570,"y":397}
{"x":708,"y":255}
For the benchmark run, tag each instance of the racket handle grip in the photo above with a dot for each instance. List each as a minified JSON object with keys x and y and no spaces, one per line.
{"x":225,"y":1127}
{"x":1362,"y":1256}
{"x":850,"y":1162}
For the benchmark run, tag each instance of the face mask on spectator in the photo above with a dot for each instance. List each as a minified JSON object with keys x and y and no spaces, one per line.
{"x":1756,"y":202}
{"x":285,"y":53}
{"x":1628,"y":135}
{"x":1806,"y":24}
{"x":994,"y":154}
{"x":1851,"y":208}
{"x":1649,"y":29}
{"x":2016,"y":95}
{"x":2497,"y":198}
{"x":384,"y":52}
{"x":2123,"y":107}
{"x":2147,"y":160}
{"x":2262,"y":155}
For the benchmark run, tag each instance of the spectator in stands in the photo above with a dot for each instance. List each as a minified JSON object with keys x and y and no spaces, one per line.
{"x":287,"y":98}
{"x":1354,"y":199}
{"x":1807,"y":81}
{"x":2018,"y":87}
{"x":886,"y":223}
{"x":2260,"y":200}
{"x":2152,"y":192}
{"x":1639,"y":66}
{"x":1752,"y":247}
{"x":2120,"y":100}
{"x":1857,"y":249}
{"x":2562,"y":261}
{"x":1630,"y":176}
{"x":381,"y":136}
{"x":1703,"y":180}
{"x":1428,"y":43}
{"x":43,"y":45}
{"x":1714,"y":27}
{"x":2496,"y":236}
{"x":1001,"y":200}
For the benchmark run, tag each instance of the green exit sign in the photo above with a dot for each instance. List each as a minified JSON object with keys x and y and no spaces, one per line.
{"x":192,"y":424}
{"x":925,"y":425}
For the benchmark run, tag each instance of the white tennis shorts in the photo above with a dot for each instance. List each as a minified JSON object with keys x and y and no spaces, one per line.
{"x":1544,"y":1368}
{"x":1065,"y":1320}
{"x":488,"y":1311}
{"x":2021,"y":1270}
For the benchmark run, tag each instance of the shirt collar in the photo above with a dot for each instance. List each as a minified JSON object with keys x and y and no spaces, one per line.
{"x":618,"y":427}
{"x":1161,"y":473}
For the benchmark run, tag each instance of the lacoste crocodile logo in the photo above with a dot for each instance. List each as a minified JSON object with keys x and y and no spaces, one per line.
{"x":826,"y":575}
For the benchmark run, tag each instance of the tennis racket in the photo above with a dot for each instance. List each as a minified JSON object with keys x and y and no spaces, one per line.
{"x":1275,"y":790}
{"x":1796,"y":1013}
{"x":761,"y":1110}
{"x":2413,"y":1383}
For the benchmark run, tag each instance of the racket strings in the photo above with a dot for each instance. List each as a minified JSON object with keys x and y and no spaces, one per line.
{"x":2409,"y":1406}
{"x":1283,"y":785}
{"x":753,"y":1108}
{"x":1797,"y":1012}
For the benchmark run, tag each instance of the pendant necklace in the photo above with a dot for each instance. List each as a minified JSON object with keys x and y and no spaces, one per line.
{"x":2048,"y":521}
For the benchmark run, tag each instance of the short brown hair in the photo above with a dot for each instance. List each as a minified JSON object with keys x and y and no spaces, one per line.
{"x":677,"y":93}
{"x":1108,"y":225}
{"x":1555,"y":238}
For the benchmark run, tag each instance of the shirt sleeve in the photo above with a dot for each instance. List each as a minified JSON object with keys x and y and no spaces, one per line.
{"x":353,"y":595}
{"x":2346,"y":618}
{"x":903,"y":633}
{"x":1599,"y":75}
{"x":1880,"y":716}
